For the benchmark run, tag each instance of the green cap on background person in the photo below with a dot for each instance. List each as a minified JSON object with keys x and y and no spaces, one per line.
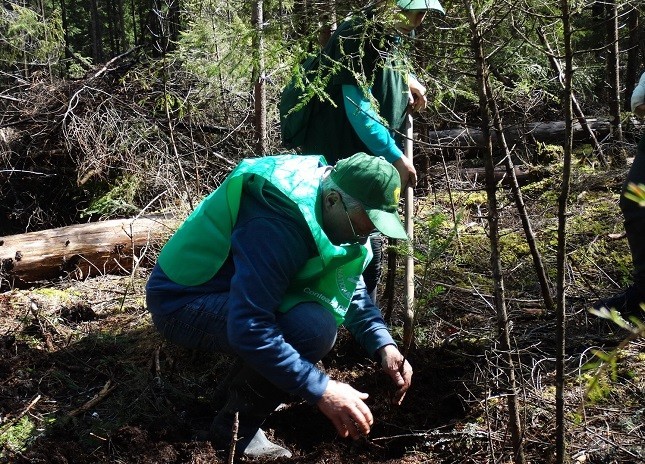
{"x":377,"y":185}
{"x":420,"y":5}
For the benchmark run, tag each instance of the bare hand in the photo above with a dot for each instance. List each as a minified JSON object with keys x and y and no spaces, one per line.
{"x":407,"y":171}
{"x":344,"y":407}
{"x":399,"y":370}
{"x":418,"y":99}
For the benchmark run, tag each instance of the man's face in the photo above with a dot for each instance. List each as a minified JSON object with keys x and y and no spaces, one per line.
{"x":343,"y":226}
{"x":409,"y":20}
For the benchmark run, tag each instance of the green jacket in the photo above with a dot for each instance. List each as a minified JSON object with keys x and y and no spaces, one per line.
{"x":359,"y":53}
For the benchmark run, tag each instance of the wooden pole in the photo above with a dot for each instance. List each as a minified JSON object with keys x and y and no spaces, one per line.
{"x":408,"y":322}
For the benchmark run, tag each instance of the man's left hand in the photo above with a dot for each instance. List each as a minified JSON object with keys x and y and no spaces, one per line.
{"x":418,"y":100}
{"x":399,"y":370}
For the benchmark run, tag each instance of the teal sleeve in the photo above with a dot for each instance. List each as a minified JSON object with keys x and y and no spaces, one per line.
{"x":366,"y":123}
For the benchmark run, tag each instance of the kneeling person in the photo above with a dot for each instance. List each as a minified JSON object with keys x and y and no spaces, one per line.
{"x":266,"y":268}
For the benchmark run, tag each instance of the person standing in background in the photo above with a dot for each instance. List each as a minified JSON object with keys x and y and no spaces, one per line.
{"x":368,"y":95}
{"x":628,"y":302}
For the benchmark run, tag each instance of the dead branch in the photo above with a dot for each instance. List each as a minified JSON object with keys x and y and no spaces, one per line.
{"x":157,"y":367}
{"x":523,"y":174}
{"x":107,"y":65}
{"x":576,"y":107}
{"x":96,"y":399}
{"x":538,"y":263}
{"x":235,"y":431}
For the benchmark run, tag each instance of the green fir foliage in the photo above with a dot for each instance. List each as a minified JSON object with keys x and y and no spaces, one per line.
{"x":16,"y":436}
{"x":28,"y":39}
{"x":118,"y":201}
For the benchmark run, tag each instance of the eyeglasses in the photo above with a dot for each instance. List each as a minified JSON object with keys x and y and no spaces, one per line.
{"x":357,"y":238}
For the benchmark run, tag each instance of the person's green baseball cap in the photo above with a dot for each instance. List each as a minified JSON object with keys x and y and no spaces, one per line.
{"x":421,"y":5}
{"x":376,"y":184}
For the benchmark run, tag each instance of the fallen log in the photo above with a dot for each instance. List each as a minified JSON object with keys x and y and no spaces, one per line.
{"x":524,"y":174}
{"x":81,"y":251}
{"x":545,"y":132}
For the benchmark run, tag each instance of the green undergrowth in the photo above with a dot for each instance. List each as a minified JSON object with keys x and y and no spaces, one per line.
{"x":593,"y":228}
{"x":16,"y":436}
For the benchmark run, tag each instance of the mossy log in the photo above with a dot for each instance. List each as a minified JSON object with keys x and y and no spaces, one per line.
{"x":83,"y":250}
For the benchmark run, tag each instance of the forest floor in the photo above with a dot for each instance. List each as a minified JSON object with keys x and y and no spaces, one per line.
{"x":84,"y":377}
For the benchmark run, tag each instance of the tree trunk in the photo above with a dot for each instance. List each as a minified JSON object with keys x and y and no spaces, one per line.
{"x":81,"y":251}
{"x":555,"y":64}
{"x":503,"y":324}
{"x":121,"y":40}
{"x":111,"y":28}
{"x":65,"y":26}
{"x":560,"y":330}
{"x":174,"y":23}
{"x":96,"y":32}
{"x":259,"y":80}
{"x":133,"y":14}
{"x":155,"y":30}
{"x":613,"y":68}
{"x":633,"y":53}
{"x":519,"y":203}
{"x":301,"y":17}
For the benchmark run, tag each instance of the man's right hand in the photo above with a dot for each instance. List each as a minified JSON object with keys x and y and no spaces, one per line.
{"x":407,"y":171}
{"x":344,"y":407}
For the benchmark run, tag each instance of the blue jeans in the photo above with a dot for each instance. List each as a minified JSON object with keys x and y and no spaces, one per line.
{"x":201,"y":325}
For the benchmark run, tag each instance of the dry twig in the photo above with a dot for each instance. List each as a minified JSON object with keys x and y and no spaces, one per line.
{"x":96,"y":399}
{"x":235,"y":430}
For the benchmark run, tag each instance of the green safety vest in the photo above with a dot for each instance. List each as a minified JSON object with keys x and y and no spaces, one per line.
{"x":200,"y":246}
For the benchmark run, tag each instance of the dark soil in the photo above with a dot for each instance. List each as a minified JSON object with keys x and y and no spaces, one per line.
{"x":85,"y":378}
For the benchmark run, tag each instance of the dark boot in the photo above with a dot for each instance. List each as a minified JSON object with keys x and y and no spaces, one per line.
{"x":220,"y":395}
{"x":627,"y":303}
{"x":253,"y":398}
